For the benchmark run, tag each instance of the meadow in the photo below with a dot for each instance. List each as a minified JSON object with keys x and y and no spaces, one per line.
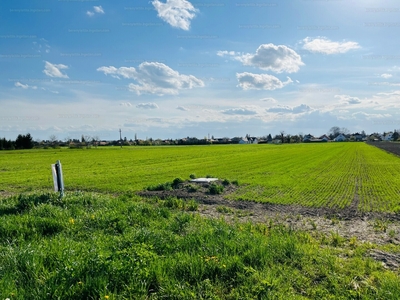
{"x":330,"y":174}
{"x":102,"y":241}
{"x":94,"y":246}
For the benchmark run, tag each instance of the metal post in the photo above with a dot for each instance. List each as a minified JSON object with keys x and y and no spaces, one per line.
{"x":120,"y":137}
{"x":58,"y":179}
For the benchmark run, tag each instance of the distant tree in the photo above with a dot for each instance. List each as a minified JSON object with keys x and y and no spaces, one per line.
{"x":53,"y":141}
{"x":24,"y":141}
{"x":288,"y":138}
{"x":95,"y":140}
{"x":282,"y":136}
{"x":395,"y":136}
{"x":334,"y":132}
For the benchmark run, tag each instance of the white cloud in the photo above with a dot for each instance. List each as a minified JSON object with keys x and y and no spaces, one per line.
{"x":326,"y":46}
{"x":348,"y":99}
{"x":268,"y":99}
{"x":227,"y":53}
{"x":149,"y":105}
{"x":53,"y":70}
{"x":177,"y":13}
{"x":239,"y":111}
{"x":386,"y":75}
{"x":24,"y":86}
{"x":260,"y":81}
{"x":272,"y":57}
{"x":126,"y":104}
{"x":154,"y":78}
{"x":96,"y":10}
{"x":182,"y":108}
{"x":288,"y":109}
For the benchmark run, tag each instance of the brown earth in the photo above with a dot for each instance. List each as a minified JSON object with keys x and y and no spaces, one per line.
{"x":391,"y":147}
{"x":372,"y":227}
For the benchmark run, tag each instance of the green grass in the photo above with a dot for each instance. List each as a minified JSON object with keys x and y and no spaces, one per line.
{"x":94,"y":246}
{"x":330,"y":174}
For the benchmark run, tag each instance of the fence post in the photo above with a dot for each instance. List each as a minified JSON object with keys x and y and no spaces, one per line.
{"x":58,"y":178}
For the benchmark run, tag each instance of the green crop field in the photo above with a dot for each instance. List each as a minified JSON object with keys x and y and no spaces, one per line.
{"x":101,"y":241}
{"x":332,"y":174}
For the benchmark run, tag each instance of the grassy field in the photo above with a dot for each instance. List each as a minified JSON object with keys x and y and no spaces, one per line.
{"x":101,"y":241}
{"x":94,"y":246}
{"x":331,"y":174}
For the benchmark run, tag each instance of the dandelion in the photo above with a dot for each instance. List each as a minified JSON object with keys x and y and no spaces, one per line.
{"x":71,"y":221}
{"x":106,"y":296}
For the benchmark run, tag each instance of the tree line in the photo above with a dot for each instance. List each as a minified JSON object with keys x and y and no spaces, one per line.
{"x":22,"y":142}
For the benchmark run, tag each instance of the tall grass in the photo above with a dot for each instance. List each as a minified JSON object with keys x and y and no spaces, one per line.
{"x":92,"y":246}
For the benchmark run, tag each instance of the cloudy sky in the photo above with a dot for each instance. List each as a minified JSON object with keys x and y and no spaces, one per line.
{"x":177,"y":68}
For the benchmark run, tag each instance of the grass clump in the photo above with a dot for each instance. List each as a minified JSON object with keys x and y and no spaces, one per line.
{"x":215,"y":189}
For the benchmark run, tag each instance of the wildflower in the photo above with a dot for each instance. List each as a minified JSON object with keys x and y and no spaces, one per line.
{"x":106,"y":296}
{"x":71,"y":221}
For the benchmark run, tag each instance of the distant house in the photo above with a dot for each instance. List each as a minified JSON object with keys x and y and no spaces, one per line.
{"x":324,"y":138}
{"x":307,"y":138}
{"x":388,"y":136}
{"x":311,"y":139}
{"x":340,"y":138}
{"x":244,"y":141}
{"x":248,"y":140}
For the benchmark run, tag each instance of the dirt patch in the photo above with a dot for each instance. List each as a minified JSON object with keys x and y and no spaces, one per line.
{"x":377,"y":228}
{"x":391,"y":147}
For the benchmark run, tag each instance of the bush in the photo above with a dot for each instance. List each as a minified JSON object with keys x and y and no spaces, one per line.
{"x":192,"y":176}
{"x":177,"y":181}
{"x":215,"y":189}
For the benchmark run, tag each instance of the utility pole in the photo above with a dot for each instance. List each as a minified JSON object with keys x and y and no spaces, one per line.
{"x":120,"y":138}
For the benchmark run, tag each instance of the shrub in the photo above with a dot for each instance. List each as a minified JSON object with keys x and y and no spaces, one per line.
{"x":226,"y":182}
{"x":177,"y":181}
{"x":215,"y":188}
{"x":192,"y":176}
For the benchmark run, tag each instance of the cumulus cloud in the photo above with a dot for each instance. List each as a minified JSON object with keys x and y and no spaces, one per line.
{"x":53,"y":70}
{"x":386,"y":75}
{"x":260,"y":81}
{"x":154,"y":78}
{"x":96,"y":10}
{"x":270,"y":57}
{"x":182,"y":108}
{"x":239,"y":111}
{"x":326,"y":46}
{"x":177,"y":13}
{"x":288,"y":109}
{"x":346,"y":99}
{"x":149,"y":105}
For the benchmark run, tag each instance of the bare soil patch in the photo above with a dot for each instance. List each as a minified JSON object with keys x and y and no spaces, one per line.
{"x":391,"y":147}
{"x":376,"y":228}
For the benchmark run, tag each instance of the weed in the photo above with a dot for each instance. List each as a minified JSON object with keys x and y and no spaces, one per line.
{"x":215,"y":188}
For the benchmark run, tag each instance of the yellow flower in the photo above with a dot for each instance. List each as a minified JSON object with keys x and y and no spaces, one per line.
{"x":106,"y":296}
{"x":71,"y":221}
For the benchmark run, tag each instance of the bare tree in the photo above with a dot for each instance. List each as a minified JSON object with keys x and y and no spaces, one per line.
{"x":282,"y":136}
{"x":95,"y":140}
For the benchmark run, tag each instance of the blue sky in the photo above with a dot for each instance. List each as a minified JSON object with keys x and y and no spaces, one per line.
{"x":177,"y":68}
